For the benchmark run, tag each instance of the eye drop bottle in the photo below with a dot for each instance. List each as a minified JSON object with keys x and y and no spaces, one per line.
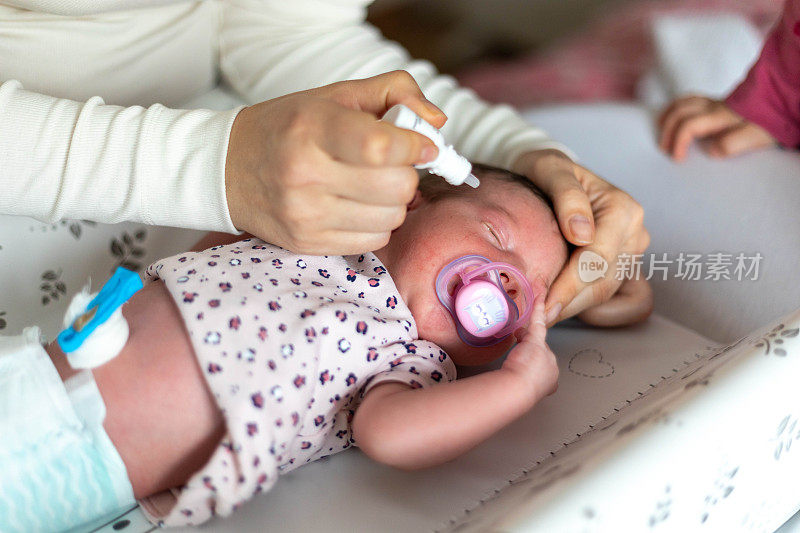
{"x":449,"y":164}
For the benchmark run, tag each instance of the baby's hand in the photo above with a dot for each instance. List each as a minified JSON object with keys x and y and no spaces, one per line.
{"x":531,"y":359}
{"x":697,"y":117}
{"x":393,"y":423}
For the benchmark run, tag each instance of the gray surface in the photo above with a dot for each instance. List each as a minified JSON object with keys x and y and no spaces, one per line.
{"x":747,"y":204}
{"x":791,"y":526}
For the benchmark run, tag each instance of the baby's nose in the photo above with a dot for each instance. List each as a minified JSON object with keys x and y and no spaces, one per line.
{"x":510,"y":284}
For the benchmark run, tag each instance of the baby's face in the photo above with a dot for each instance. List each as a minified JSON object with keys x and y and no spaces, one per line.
{"x":502,"y":221}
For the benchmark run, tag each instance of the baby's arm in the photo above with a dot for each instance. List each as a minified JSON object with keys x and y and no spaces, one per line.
{"x":417,"y":428}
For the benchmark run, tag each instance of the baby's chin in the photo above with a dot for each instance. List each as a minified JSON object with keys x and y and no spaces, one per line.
{"x":465,"y":355}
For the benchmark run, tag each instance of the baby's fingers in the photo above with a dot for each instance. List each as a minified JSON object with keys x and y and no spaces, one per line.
{"x":740,"y":139}
{"x":675,"y":113}
{"x":536,"y":332}
{"x":698,"y":127}
{"x":533,"y":357}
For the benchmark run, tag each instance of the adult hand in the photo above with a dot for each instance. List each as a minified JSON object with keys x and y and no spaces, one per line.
{"x":593,"y":215}
{"x":316,"y":173}
{"x":723,"y":131}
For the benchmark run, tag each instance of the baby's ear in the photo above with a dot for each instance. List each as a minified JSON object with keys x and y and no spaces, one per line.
{"x":416,"y":201}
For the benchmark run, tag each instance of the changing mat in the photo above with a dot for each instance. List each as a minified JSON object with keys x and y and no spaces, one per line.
{"x":568,"y":462}
{"x":601,"y":372}
{"x":651,"y":425}
{"x":712,"y":447}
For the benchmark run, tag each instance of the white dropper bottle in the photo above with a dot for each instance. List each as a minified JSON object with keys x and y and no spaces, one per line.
{"x":449,"y":164}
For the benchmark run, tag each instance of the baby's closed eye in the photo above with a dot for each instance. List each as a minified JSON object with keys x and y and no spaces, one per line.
{"x":494,"y":235}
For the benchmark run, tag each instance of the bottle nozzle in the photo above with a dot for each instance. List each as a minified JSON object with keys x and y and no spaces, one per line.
{"x":448,"y":164}
{"x":472,"y":181}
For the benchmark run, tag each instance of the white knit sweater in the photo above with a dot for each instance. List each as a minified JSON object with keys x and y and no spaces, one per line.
{"x":75,"y":142}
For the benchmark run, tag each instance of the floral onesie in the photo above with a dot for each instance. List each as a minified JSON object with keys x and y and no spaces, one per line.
{"x":288,"y":345}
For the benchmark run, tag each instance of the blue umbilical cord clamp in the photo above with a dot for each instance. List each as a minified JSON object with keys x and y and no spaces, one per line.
{"x":117,"y":290}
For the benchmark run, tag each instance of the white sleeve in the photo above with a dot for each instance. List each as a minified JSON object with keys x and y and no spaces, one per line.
{"x":269,"y":48}
{"x":87,"y":160}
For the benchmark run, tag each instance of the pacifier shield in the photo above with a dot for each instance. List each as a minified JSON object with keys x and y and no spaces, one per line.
{"x":483,"y":312}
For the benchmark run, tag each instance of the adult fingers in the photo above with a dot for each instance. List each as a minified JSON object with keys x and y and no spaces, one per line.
{"x":698,"y":126}
{"x":377,"y":94}
{"x":591,"y":291}
{"x":570,"y":202}
{"x":390,"y":186}
{"x":316,"y":215}
{"x":335,"y":242}
{"x":353,"y":216}
{"x":619,"y":230}
{"x":356,"y":138}
{"x":739,"y":139}
{"x":570,"y":294}
{"x":632,"y":303}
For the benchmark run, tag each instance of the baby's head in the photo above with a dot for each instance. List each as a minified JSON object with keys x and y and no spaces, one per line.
{"x":507,"y":219}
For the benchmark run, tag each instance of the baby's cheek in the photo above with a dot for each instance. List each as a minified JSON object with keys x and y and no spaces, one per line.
{"x":437,"y":326}
{"x":439,"y":245}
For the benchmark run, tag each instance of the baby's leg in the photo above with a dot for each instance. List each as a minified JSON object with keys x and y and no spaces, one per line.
{"x":161,"y":417}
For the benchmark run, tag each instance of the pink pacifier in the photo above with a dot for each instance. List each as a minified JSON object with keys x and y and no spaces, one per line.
{"x":483,"y":311}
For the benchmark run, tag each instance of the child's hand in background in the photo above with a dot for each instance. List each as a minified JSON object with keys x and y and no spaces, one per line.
{"x":724,"y":132}
{"x":531,"y":358}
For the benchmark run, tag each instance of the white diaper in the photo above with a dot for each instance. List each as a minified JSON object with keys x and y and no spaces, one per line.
{"x":58,"y":468}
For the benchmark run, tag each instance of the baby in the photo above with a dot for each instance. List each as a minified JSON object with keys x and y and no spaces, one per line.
{"x":246,"y":360}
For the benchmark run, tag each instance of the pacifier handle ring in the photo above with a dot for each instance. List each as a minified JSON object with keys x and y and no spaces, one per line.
{"x":466,"y":277}
{"x":442,"y":281}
